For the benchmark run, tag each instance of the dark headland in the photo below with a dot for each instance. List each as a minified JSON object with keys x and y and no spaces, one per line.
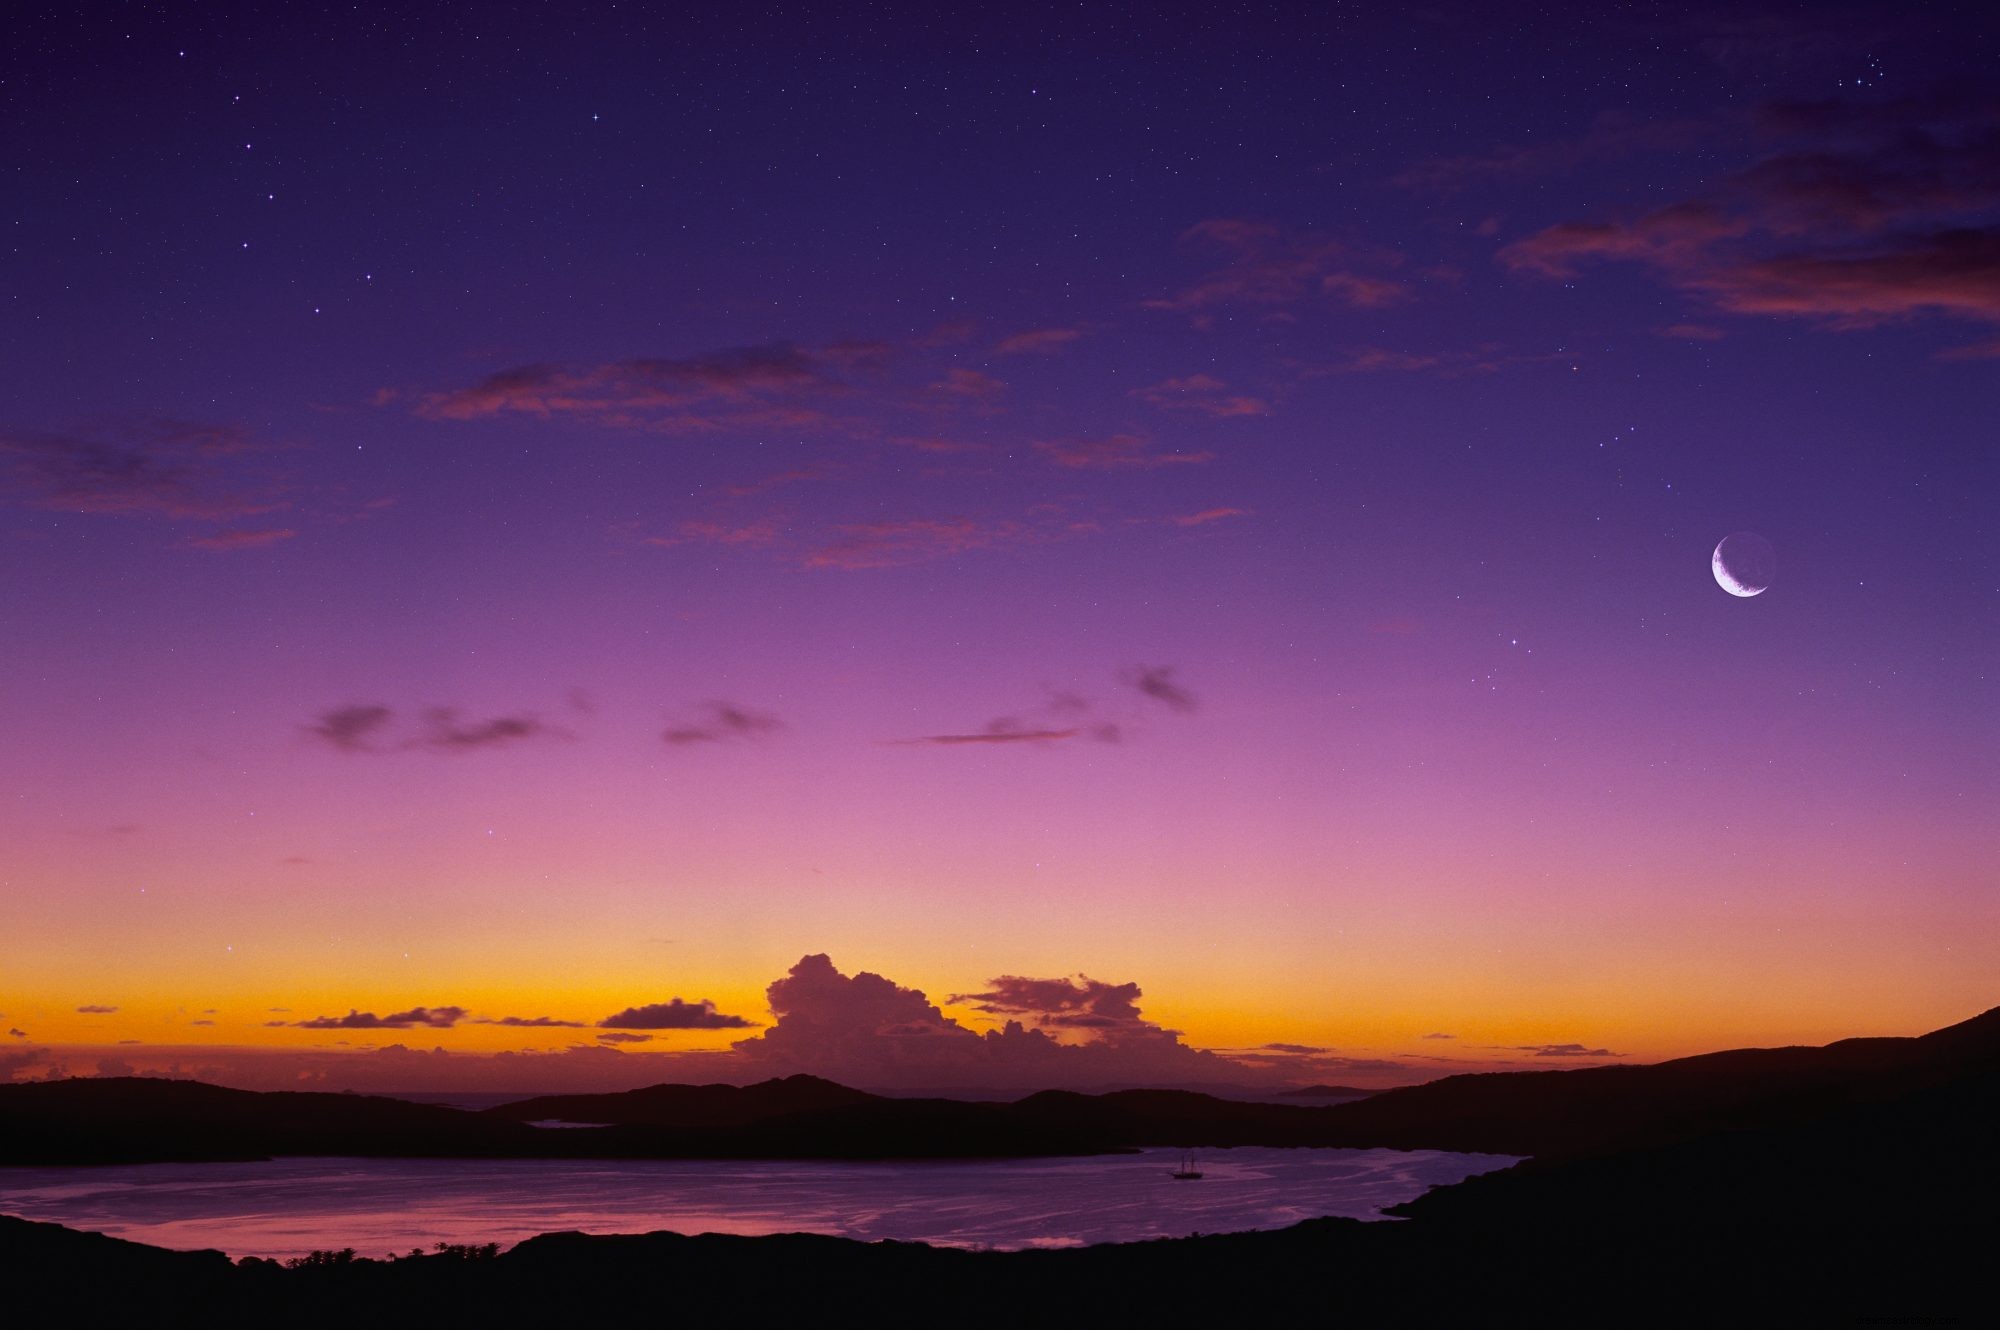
{"x":1850,"y":1184}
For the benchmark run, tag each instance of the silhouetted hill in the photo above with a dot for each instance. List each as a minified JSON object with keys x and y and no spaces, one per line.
{"x":1592,"y":1109}
{"x":141,"y":1119}
{"x":1547,"y":1114}
{"x":1329,"y":1092}
{"x":688,"y":1106}
{"x":1854,"y":1186}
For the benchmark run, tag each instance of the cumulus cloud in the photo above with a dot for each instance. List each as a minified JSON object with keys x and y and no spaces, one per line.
{"x":1082,"y":1003}
{"x":724,"y":720}
{"x":114,"y":1067}
{"x":620,"y":1037}
{"x":867,"y":1030}
{"x":442,"y":1018}
{"x":675,"y":1014}
{"x":13,"y":1063}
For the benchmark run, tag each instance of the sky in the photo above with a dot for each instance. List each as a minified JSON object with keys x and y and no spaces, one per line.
{"x":569,"y":547}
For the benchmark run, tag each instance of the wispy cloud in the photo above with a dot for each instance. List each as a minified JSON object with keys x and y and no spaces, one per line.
{"x":1207,"y":515}
{"x":1158,"y":683}
{"x":352,"y":729}
{"x":223,"y":542}
{"x":1038,"y":341}
{"x":364,"y":728}
{"x":171,"y":470}
{"x":1268,"y":267}
{"x":1118,"y":452}
{"x":724,"y":720}
{"x":1203,"y":394}
{"x":776,"y":384}
{"x":1870,"y":213}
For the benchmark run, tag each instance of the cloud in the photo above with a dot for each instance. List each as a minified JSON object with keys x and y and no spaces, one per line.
{"x":203,"y":1021}
{"x":1485,"y":358}
{"x":1081,"y":1003}
{"x":356,"y":728}
{"x":1271,"y":268}
{"x":1870,"y":214}
{"x":440,"y":1018}
{"x":446,"y":733}
{"x":619,"y":1037}
{"x":1006,"y":730}
{"x":222,"y":542}
{"x":528,"y":1021}
{"x":1207,"y":515}
{"x":1693,"y":332}
{"x":890,"y":543}
{"x":114,"y":1067}
{"x":725,"y":720}
{"x":1203,"y":394}
{"x":173,"y":470}
{"x":775,"y":385}
{"x":95,"y":1010}
{"x":1564,"y":1051}
{"x":1440,"y":1036}
{"x":675,"y":1014}
{"x":18,"y":1034}
{"x":780,"y":479}
{"x":1954,"y":272}
{"x":754,"y":534}
{"x":1614,"y":136}
{"x":1040,"y":341}
{"x":969,"y":384}
{"x":1157,"y":682}
{"x":1300,"y":1050}
{"x":867,"y":1030}
{"x":18,"y":1061}
{"x":1119,"y":452}
{"x":351,"y":728}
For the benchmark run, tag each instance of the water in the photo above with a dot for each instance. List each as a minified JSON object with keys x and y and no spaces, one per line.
{"x":287,"y":1207}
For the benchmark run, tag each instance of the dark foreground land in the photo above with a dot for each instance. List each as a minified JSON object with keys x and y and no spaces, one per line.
{"x":1854,"y":1184}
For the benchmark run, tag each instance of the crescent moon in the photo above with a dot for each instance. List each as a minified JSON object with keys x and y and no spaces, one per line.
{"x":1727,"y":580}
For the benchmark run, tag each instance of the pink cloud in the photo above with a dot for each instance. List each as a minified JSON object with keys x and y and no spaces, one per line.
{"x":1119,"y":452}
{"x":1040,"y":341}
